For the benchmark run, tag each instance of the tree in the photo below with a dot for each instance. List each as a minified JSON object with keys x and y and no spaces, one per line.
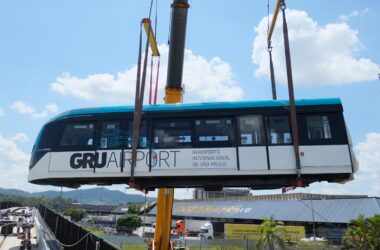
{"x":363,"y":234}
{"x":374,"y":232}
{"x":75,"y":214}
{"x":133,"y":209}
{"x":270,"y":235}
{"x":128,"y":223}
{"x":57,"y":203}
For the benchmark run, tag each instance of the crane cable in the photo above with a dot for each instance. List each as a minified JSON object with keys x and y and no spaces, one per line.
{"x":154,"y":83}
{"x":75,"y":243}
{"x":139,"y":96}
{"x":88,"y":234}
{"x":271,"y":68}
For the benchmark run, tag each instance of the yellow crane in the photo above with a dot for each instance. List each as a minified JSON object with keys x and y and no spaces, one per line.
{"x":174,"y":93}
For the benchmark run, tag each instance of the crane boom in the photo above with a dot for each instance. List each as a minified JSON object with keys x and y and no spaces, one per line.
{"x":274,"y":19}
{"x":173,"y":94}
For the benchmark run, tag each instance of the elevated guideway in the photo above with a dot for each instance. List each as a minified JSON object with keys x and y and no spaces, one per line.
{"x":40,"y":238}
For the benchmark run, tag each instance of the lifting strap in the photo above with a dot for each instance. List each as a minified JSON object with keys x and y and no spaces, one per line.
{"x":158,"y":59}
{"x":139,"y":100}
{"x":153,"y":85}
{"x":271,"y":68}
{"x":292,"y":104}
{"x":140,"y":83}
{"x":281,"y":6}
{"x":156,"y":85}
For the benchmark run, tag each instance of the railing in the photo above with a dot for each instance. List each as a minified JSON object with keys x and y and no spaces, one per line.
{"x":9,"y":204}
{"x":71,"y":236}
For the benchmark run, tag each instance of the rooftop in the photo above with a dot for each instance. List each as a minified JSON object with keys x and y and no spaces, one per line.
{"x":198,"y":106}
{"x":325,"y":210}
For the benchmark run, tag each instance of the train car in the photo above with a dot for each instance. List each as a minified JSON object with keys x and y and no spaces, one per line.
{"x":224,"y":144}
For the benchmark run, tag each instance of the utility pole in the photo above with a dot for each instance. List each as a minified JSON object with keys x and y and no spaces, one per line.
{"x":313,"y":216}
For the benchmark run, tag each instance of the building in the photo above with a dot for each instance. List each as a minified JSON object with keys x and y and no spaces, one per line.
{"x":101,"y":209}
{"x":226,"y":193}
{"x":329,"y":214}
{"x":303,"y":196}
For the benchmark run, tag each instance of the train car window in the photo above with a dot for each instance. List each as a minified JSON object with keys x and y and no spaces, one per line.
{"x":318,"y":127}
{"x":214,"y":132}
{"x":172,"y":134}
{"x":78,"y":134}
{"x":143,"y":142}
{"x":279,"y":130}
{"x":49,"y":137}
{"x":251,"y":129}
{"x":112,"y":135}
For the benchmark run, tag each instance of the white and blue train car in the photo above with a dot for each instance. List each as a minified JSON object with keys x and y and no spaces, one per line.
{"x":236,"y":144}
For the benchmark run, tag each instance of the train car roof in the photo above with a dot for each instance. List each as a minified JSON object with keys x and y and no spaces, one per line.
{"x":197,"y":106}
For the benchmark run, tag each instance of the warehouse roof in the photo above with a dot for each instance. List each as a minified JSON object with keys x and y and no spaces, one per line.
{"x":327,"y":211}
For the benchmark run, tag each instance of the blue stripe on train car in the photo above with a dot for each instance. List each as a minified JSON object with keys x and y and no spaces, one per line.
{"x":198,"y":106}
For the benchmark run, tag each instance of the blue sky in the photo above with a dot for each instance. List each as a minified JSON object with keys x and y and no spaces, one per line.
{"x":60,"y":43}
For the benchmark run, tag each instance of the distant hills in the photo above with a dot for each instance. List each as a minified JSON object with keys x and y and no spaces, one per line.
{"x":96,"y":196}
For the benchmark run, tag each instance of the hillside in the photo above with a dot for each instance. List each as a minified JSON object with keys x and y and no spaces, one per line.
{"x":85,"y":196}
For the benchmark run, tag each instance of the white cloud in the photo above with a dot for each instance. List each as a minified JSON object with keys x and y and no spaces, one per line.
{"x":321,"y":55}
{"x":2,"y":113}
{"x":355,"y":13}
{"x":366,"y":180}
{"x":22,"y":108}
{"x":20,"y":137}
{"x":204,"y":80}
{"x":25,"y":109}
{"x":51,"y":108}
{"x":13,"y":163}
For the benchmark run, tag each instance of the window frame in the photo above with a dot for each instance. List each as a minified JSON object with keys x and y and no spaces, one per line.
{"x":153,"y":145}
{"x":51,"y":130}
{"x":268,"y":127}
{"x":339,"y":135}
{"x":233,"y":143}
{"x":264,"y":127}
{"x":148,"y":126}
{"x":320,"y":120}
{"x":124,"y":125}
{"x":92,"y":147}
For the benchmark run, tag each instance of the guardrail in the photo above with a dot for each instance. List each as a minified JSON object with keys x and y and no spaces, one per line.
{"x":9,"y":204}
{"x":71,"y":236}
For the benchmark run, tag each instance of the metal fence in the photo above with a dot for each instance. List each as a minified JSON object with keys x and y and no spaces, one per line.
{"x":70,"y":235}
{"x":8,"y":204}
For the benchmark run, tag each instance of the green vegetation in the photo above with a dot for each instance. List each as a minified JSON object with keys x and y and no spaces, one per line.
{"x":128,"y":223}
{"x":270,"y":235}
{"x":96,"y":231}
{"x":131,"y":220}
{"x":134,"y":247}
{"x":217,"y":248}
{"x":75,"y":214}
{"x":301,"y":246}
{"x":57,"y":203}
{"x":312,"y":245}
{"x":363,"y":234}
{"x":134,"y":209}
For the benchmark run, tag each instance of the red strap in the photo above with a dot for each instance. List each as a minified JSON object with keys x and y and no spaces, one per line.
{"x":157,"y":76}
